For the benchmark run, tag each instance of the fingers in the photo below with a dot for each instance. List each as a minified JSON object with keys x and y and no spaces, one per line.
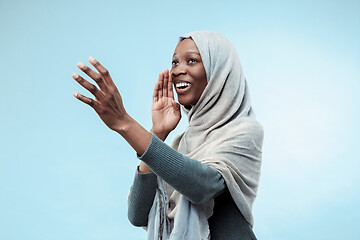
{"x":104,"y":73}
{"x":94,"y":75}
{"x":166,"y":81}
{"x":161,"y":84}
{"x":92,"y":103}
{"x":155,"y":94}
{"x":88,"y":86}
{"x":170,"y":87}
{"x":163,"y":87}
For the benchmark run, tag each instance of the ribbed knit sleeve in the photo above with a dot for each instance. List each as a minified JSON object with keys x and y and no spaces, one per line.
{"x":196,"y":181}
{"x":141,"y":198}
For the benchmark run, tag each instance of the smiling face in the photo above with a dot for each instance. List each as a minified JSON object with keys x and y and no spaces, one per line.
{"x":188,"y":72}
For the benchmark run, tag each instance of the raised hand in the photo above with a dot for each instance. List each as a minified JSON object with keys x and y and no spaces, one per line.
{"x":166,"y":112}
{"x":108,"y":102}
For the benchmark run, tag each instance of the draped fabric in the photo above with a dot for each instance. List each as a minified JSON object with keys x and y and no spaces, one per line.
{"x":223,"y":132}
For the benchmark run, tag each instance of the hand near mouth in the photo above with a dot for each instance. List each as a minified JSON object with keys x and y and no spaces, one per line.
{"x":166,"y":112}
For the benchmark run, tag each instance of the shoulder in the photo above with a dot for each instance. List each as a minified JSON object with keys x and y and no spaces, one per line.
{"x":244,"y":131}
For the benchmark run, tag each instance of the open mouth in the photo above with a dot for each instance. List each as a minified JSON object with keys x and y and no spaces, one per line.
{"x":182,"y":85}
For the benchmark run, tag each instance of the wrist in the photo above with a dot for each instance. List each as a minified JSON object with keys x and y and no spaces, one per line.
{"x":137,"y":136}
{"x":143,"y":168}
{"x":161,"y":135}
{"x":124,"y":125}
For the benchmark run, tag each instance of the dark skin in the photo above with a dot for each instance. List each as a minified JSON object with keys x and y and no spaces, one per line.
{"x":187,"y":67}
{"x":109,"y":106}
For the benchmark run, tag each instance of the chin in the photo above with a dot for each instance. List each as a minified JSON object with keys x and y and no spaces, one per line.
{"x":185,"y":102}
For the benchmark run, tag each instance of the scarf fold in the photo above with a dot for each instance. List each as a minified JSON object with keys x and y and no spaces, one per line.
{"x":222,"y":133}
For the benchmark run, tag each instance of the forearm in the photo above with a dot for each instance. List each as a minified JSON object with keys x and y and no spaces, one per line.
{"x":181,"y":172}
{"x":143,"y":168}
{"x":137,"y":136}
{"x":141,"y":198}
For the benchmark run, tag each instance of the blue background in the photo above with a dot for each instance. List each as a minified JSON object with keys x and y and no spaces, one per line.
{"x":64,"y":175}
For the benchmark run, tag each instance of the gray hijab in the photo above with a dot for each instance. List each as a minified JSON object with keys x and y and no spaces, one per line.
{"x":222,"y":133}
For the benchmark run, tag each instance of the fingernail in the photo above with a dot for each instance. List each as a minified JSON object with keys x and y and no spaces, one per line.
{"x":75,"y":94}
{"x":92,"y":60}
{"x":75,"y":75}
{"x":81,"y":65}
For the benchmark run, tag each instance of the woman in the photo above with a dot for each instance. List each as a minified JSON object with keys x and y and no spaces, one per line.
{"x":204,"y":186}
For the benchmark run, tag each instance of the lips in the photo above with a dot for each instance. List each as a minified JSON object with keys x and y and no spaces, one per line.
{"x":182,"y":86}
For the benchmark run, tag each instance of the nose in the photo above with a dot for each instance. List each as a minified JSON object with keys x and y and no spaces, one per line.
{"x":178,"y":70}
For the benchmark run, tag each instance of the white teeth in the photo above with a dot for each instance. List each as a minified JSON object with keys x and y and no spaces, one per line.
{"x":182,"y":85}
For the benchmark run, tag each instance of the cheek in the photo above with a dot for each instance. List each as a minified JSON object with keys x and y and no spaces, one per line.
{"x":202,"y":83}
{"x":203,"y":86}
{"x":202,"y":79}
{"x":200,"y":74}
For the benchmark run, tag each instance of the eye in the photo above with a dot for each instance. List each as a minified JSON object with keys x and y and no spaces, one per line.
{"x":174,"y":62}
{"x":192,"y":60}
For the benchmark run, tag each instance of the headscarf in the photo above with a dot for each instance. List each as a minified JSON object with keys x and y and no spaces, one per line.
{"x":223,"y":133}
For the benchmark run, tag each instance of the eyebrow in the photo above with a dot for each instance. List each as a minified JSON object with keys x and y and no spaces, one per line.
{"x":189,"y":52}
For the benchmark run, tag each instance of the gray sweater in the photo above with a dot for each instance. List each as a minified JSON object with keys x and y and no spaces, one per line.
{"x":196,"y":181}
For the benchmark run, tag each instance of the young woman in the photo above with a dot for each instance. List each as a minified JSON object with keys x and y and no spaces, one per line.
{"x":202,"y":187}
